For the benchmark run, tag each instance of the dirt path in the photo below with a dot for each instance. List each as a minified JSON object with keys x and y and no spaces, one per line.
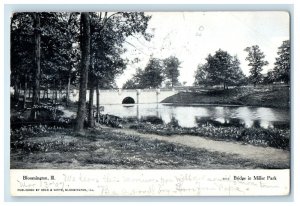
{"x":258,"y":154}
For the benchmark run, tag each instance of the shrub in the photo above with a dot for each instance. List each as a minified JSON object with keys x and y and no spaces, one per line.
{"x":272,"y":137}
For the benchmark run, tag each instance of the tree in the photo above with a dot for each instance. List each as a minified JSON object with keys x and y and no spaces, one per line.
{"x":43,"y":56}
{"x":282,"y":64}
{"x":60,"y":53}
{"x":202,"y":75}
{"x":22,"y":53}
{"x":67,"y":53}
{"x":152,"y":76}
{"x":37,"y":59}
{"x":85,"y":63}
{"x":270,"y":77}
{"x":45,"y":52}
{"x":221,"y":68}
{"x":135,"y":81}
{"x":256,"y":62}
{"x":130,"y":84}
{"x":237,"y":77}
{"x":74,"y":52}
{"x":108,"y":33}
{"x":171,"y":71}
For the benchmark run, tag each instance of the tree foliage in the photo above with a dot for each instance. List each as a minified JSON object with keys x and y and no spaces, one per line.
{"x":219,"y":69}
{"x":157,"y":72}
{"x":171,"y":69}
{"x":270,"y":77}
{"x":57,"y":33}
{"x":130,"y":84}
{"x":46,"y":54}
{"x":60,"y":52}
{"x":109,"y":31}
{"x":21,"y":59}
{"x":135,"y":81}
{"x":283,"y":63}
{"x":202,"y":76}
{"x":151,"y":77}
{"x":256,"y":62}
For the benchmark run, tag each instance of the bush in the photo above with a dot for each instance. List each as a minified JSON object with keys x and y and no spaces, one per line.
{"x":272,"y":137}
{"x":152,"y":120}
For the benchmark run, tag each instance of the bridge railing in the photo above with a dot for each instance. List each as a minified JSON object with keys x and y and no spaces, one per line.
{"x":142,"y":90}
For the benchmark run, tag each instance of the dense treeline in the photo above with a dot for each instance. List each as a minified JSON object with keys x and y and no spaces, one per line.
{"x":224,"y":69}
{"x":220,"y":68}
{"x":55,"y":51}
{"x":156,"y":72}
{"x":51,"y":53}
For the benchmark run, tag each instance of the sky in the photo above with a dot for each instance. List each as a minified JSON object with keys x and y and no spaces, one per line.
{"x":191,"y":36}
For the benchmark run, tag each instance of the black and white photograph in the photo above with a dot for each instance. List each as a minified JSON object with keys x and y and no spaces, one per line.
{"x":104,"y":90}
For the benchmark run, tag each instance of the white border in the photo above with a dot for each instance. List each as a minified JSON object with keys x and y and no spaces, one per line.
{"x":295,"y":85}
{"x":153,"y":182}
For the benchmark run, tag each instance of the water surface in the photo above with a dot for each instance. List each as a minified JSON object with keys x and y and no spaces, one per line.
{"x":196,"y":115}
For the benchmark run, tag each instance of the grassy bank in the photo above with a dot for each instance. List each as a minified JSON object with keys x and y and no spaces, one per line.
{"x":278,"y":97}
{"x":43,"y":147}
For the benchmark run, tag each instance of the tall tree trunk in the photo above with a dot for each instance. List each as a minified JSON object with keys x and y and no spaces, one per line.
{"x":37,"y":72}
{"x":29,"y":93}
{"x":70,"y":64}
{"x":68,"y":88}
{"x":98,"y":102}
{"x":20,"y":89}
{"x":172,"y":79}
{"x":55,"y":96}
{"x":91,"y":122}
{"x":53,"y":92}
{"x":44,"y":94}
{"x":47,"y":88}
{"x":85,"y":62}
{"x":60,"y":90}
{"x":16,"y":89}
{"x":25,"y":92}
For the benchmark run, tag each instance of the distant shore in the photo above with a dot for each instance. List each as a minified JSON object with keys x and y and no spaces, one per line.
{"x":272,"y":96}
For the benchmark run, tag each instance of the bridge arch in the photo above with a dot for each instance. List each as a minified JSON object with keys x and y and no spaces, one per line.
{"x":128,"y":100}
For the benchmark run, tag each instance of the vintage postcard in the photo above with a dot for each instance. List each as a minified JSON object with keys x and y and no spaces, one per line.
{"x":150,"y":103}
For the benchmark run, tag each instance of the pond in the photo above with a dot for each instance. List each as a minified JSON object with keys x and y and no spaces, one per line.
{"x":197,"y":115}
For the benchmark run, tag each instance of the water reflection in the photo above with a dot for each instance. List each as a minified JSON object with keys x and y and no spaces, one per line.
{"x":221,"y":122}
{"x":197,"y":115}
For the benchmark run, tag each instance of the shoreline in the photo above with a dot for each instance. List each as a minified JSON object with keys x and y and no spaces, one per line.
{"x":225,"y":105}
{"x":275,"y":97}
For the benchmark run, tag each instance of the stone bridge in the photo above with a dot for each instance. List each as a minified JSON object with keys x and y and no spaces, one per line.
{"x":129,"y":96}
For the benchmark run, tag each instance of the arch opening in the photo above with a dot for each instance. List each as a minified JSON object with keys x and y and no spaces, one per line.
{"x":128,"y":100}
